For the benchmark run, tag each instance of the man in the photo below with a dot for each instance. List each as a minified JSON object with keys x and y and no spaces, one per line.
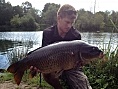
{"x":64,"y":31}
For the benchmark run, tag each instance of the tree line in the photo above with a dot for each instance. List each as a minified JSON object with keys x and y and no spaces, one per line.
{"x":27,"y":18}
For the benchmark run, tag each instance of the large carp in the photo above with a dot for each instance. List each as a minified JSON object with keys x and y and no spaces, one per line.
{"x":55,"y":57}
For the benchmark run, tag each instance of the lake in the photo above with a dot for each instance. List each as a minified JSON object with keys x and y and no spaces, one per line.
{"x":18,"y":42}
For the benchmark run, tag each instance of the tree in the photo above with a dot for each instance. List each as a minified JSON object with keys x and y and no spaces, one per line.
{"x":84,"y":20}
{"x":35,"y":14}
{"x":17,"y":10}
{"x":49,"y":14}
{"x":6,"y":13}
{"x":26,"y":21}
{"x":98,"y":21}
{"x":114,"y":17}
{"x":26,"y":6}
{"x":2,"y":1}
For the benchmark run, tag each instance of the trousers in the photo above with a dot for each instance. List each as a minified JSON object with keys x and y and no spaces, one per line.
{"x":75,"y":79}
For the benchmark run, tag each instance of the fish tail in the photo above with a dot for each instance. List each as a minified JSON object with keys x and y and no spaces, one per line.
{"x":18,"y":70}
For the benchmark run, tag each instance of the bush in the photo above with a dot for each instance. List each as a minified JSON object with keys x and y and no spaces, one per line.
{"x":103,"y":74}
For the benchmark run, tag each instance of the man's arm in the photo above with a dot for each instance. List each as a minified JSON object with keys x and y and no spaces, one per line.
{"x":46,"y":39}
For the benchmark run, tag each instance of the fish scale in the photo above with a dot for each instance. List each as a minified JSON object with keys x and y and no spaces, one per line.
{"x":55,"y":58}
{"x":51,"y":59}
{"x":57,"y":62}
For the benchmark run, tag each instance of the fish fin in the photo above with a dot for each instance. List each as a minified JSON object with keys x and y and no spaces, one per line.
{"x":18,"y":70}
{"x":18,"y":77}
{"x":12,"y":68}
{"x":58,"y":73}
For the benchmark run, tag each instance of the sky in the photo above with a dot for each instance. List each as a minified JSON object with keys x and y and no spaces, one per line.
{"x":88,"y":5}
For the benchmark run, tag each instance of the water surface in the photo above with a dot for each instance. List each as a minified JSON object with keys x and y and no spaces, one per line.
{"x":17,"y":42}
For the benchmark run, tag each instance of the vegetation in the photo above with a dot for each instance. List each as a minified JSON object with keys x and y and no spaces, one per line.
{"x":103,"y":73}
{"x":27,"y":18}
{"x":33,"y":82}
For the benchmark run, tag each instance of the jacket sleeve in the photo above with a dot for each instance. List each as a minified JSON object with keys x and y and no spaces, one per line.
{"x":46,"y":39}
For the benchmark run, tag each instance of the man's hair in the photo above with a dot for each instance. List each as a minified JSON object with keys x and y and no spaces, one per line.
{"x":67,"y":10}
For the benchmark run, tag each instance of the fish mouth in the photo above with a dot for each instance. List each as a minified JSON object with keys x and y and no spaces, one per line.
{"x":88,"y":58}
{"x":92,"y":55}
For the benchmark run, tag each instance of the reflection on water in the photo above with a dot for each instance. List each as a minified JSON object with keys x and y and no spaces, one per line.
{"x":101,"y":39}
{"x":15,"y":41}
{"x":6,"y":44}
{"x":21,"y":36}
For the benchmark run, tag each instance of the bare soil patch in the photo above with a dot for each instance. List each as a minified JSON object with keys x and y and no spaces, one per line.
{"x":11,"y":85}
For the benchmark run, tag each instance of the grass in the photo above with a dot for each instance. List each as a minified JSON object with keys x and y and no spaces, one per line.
{"x":33,"y":82}
{"x":103,"y":73}
{"x":6,"y":77}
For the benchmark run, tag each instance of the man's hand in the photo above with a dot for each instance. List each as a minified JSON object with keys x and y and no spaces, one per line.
{"x":33,"y":71}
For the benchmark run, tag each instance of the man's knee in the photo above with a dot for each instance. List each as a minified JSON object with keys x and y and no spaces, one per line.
{"x":50,"y":79}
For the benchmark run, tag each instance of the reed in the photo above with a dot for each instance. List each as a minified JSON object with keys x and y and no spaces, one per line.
{"x":17,"y":53}
{"x":103,"y":73}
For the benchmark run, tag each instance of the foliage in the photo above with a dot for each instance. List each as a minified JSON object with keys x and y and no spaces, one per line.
{"x":48,"y":16}
{"x":25,"y":21}
{"x":103,"y":74}
{"x":5,"y":77}
{"x":26,"y":79}
{"x":17,"y":10}
{"x":11,"y":16}
{"x":18,"y":52}
{"x":6,"y":13}
{"x":26,"y":6}
{"x":35,"y":81}
{"x":18,"y":16}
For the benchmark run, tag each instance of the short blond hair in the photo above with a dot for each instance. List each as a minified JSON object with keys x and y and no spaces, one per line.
{"x":67,"y":10}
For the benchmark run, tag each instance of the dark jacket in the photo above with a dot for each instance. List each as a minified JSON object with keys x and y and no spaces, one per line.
{"x":50,"y":35}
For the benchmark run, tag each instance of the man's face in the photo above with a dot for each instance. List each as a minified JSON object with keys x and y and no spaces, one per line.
{"x":64,"y":24}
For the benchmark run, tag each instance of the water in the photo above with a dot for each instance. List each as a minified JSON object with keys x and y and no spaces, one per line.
{"x":13,"y":42}
{"x":102,"y":39}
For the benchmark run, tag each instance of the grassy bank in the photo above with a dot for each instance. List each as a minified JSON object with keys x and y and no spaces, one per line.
{"x":32,"y":82}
